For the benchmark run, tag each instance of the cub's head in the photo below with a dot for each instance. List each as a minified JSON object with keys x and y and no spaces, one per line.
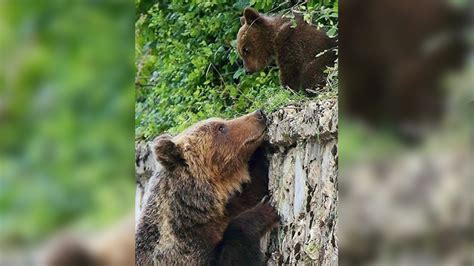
{"x":255,"y":40}
{"x":212,"y":149}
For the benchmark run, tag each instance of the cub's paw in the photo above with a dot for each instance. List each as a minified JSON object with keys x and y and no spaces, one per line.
{"x":268,"y":211}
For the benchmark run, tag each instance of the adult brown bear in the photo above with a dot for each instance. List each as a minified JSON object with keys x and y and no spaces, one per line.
{"x":186,"y":218}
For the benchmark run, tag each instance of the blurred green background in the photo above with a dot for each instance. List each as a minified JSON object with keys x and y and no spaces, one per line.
{"x":66,"y":116}
{"x":188,"y":68}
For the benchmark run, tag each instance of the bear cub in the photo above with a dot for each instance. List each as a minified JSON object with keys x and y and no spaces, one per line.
{"x":191,"y":215}
{"x":302,"y":52}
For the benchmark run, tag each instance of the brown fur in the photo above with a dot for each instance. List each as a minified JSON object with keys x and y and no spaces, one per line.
{"x":262,"y":38}
{"x":255,"y":190}
{"x":393,"y":58}
{"x":113,"y":247}
{"x":240,"y":244}
{"x":69,"y":251}
{"x":184,"y":217}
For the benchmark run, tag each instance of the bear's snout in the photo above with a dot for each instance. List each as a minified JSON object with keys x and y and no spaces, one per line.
{"x":250,"y":66}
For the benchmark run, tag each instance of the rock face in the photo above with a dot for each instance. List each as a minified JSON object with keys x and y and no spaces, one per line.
{"x":416,"y":205}
{"x":145,"y":165}
{"x":302,"y":180}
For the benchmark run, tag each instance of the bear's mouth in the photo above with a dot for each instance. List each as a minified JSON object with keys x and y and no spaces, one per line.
{"x":257,"y":139}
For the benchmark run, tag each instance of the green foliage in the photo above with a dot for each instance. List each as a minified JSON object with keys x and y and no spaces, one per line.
{"x":66,"y":116}
{"x":188,"y":68}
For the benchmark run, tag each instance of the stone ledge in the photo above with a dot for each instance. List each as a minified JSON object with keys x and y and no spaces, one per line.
{"x":315,"y":119}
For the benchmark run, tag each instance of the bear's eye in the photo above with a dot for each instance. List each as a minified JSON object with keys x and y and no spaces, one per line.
{"x":246,"y":50}
{"x":222,"y":129}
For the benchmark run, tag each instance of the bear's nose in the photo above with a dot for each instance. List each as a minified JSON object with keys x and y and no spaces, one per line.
{"x":260,"y":115}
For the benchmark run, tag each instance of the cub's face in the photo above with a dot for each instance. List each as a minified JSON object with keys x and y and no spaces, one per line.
{"x":254,"y":41}
{"x":213,"y":148}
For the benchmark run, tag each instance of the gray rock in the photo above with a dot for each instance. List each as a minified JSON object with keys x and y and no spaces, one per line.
{"x":303,"y":183}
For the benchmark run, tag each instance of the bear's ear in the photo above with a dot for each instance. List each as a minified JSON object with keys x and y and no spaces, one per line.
{"x":251,"y":16}
{"x":166,"y":152}
{"x":242,"y":21}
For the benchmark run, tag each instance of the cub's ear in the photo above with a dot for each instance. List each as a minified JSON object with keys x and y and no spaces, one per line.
{"x":252,"y":16}
{"x":166,"y":152}
{"x":242,"y":21}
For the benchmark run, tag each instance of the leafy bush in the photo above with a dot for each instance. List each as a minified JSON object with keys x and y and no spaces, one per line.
{"x":188,"y":68}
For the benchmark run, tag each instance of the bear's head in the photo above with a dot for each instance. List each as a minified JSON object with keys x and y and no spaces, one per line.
{"x":255,"y":40}
{"x":214,"y":150}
